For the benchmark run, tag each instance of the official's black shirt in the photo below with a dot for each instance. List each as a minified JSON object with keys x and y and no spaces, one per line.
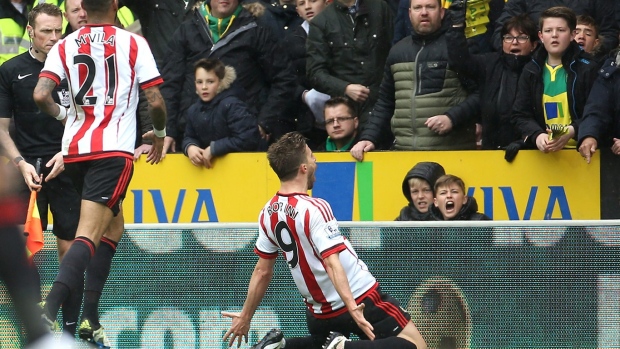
{"x":36,"y":134}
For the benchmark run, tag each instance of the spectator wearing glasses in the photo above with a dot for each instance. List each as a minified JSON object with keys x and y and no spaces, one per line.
{"x":341,"y":124}
{"x":497,"y":74}
{"x":602,"y":11}
{"x":425,"y":103}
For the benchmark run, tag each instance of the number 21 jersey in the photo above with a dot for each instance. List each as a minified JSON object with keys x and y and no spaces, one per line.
{"x":104,"y":66}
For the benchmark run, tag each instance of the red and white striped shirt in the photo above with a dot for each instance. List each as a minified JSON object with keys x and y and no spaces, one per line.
{"x":305,"y":229}
{"x":103,"y":65}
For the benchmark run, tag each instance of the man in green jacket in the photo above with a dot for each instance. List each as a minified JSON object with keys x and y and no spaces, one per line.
{"x":425,"y":104}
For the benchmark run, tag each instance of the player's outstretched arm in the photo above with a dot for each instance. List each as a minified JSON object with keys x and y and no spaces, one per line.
{"x":157,"y":110}
{"x":261,"y":277}
{"x":337,"y":275}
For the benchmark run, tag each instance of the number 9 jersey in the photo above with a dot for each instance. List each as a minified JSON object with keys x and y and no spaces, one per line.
{"x":104,"y":66}
{"x":306,"y":231}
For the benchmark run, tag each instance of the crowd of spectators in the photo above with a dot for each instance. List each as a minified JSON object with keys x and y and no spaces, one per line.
{"x":418,"y":74}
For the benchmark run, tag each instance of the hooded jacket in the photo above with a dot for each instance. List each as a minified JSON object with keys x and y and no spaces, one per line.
{"x":428,"y":171}
{"x":528,"y":115}
{"x":265,"y":74}
{"x":224,"y":123}
{"x":469,"y":212}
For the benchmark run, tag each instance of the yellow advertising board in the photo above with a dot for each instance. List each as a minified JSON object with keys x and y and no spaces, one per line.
{"x":535,"y":186}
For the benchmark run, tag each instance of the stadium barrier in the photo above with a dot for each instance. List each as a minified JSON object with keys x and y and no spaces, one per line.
{"x":535,"y":186}
{"x":538,"y":284}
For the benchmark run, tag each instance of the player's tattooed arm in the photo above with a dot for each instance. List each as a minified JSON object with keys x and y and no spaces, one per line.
{"x":43,"y":96}
{"x":157,"y":107}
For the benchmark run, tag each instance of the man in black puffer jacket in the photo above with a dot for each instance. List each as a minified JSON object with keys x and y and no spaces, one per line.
{"x":231,"y":33}
{"x":346,"y":48}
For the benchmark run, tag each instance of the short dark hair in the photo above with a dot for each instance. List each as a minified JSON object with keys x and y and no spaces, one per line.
{"x":523,"y":24}
{"x":96,"y":6}
{"x":559,"y":12}
{"x":590,"y":22}
{"x":448,"y":179}
{"x":287,"y":154}
{"x":338,"y":100}
{"x":214,"y":65}
{"x":44,"y":8}
{"x":439,"y":2}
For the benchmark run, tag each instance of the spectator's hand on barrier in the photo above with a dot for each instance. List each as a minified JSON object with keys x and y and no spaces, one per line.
{"x":156,"y":153}
{"x":33,"y":181}
{"x":207,"y":157}
{"x":57,"y":164}
{"x":360,"y":148}
{"x":238,"y":330}
{"x":194,"y":154}
{"x":143,"y":149}
{"x":170,"y":146}
{"x":560,"y":139}
{"x":588,"y":148}
{"x":615,"y":148}
{"x":357,"y":92}
{"x":358,"y":315}
{"x":440,"y":124}
{"x":512,"y":150}
{"x":542,"y":140}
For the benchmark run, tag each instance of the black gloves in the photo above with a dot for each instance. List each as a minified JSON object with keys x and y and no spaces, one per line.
{"x":458,"y":10}
{"x":512,"y":150}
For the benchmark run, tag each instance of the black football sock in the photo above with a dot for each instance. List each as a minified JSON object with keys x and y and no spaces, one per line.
{"x":300,"y":343}
{"x":96,"y":276}
{"x":390,"y":342}
{"x":19,"y":276}
{"x":71,"y":310}
{"x":70,"y":274}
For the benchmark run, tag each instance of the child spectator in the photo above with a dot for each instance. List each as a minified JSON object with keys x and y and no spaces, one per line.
{"x":554,"y":86}
{"x":219,"y":123}
{"x":586,"y":34}
{"x":418,"y":188}
{"x":451,"y":203}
